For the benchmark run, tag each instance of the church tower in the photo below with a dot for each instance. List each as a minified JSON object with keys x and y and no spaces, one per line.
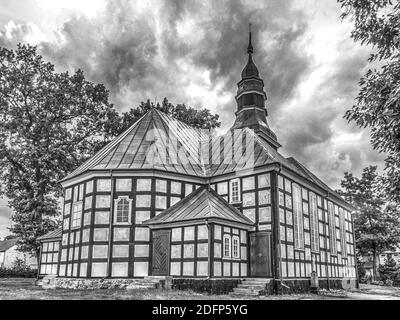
{"x":251,"y":99}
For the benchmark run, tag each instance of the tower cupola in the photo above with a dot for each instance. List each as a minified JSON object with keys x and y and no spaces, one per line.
{"x":251,"y":99}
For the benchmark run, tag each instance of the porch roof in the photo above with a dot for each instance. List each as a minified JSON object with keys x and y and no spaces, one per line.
{"x":53,"y":235}
{"x":202,"y":204}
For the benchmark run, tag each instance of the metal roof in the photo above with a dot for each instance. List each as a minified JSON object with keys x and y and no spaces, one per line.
{"x":154,"y":140}
{"x":53,"y":235}
{"x":201,"y":204}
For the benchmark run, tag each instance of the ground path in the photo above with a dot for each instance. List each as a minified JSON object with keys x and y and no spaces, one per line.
{"x":25,"y":289}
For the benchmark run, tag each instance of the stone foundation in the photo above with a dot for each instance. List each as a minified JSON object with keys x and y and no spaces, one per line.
{"x":94,"y":284}
{"x":300,"y":285}
{"x":212,"y":286}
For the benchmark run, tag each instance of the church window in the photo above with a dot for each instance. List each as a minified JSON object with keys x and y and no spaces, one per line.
{"x":332,"y":228}
{"x":298,"y":218}
{"x":76,"y":215}
{"x":314,"y":223}
{"x":123,"y":210}
{"x":227,"y":246}
{"x":342,"y":232}
{"x":235,"y":190}
{"x":235,"y":248}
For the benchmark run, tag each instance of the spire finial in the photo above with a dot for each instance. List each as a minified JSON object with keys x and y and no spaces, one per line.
{"x":250,"y":49}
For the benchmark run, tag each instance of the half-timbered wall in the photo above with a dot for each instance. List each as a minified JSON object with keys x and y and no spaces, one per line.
{"x":254,"y":198}
{"x":322,"y":242}
{"x":102,"y":231}
{"x":194,"y":247}
{"x":49,"y":258}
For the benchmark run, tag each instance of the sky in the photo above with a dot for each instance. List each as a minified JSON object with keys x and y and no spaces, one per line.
{"x":193,"y":52}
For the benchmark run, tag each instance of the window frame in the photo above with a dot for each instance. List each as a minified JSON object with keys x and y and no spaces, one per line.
{"x":342,"y":220}
{"x":314,"y":223}
{"x":298,"y":223}
{"x":231,"y":191}
{"x":116,"y":201}
{"x":236,"y":239}
{"x":332,"y":229}
{"x":73,"y":218}
{"x":229,"y":238}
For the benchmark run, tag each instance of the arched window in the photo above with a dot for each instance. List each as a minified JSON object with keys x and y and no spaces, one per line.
{"x":123,"y":210}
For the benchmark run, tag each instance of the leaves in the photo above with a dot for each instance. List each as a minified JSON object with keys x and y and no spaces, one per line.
{"x":377,"y":23}
{"x":376,"y":223}
{"x":50,"y":123}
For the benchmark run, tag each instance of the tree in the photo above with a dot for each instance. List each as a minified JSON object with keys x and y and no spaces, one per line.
{"x":200,"y":119}
{"x":376,"y":222}
{"x":49,"y":123}
{"x":376,"y":24}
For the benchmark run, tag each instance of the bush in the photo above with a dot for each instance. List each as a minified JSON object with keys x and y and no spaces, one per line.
{"x":390,"y":271}
{"x":18,"y":270}
{"x":389,"y":283}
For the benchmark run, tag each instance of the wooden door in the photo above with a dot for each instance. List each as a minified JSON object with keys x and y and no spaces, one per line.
{"x":161,"y":244}
{"x":260,"y":254}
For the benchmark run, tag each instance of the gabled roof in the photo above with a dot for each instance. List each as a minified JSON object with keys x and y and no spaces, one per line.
{"x":53,"y":235}
{"x":7,"y":244}
{"x":136,"y":147}
{"x":202,"y":204}
{"x":152,"y":143}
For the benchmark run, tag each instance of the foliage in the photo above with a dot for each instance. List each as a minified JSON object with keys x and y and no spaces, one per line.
{"x":390,"y":271}
{"x":18,"y":270}
{"x":200,"y":119}
{"x":377,"y":24}
{"x":49,"y":123}
{"x":376,"y":223}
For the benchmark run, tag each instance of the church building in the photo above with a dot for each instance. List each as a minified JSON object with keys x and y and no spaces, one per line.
{"x":166,"y":199}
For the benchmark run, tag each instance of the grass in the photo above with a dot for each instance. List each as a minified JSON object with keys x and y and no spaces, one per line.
{"x":24,"y":289}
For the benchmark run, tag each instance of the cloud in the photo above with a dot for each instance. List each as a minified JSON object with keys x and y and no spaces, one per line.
{"x":193,"y":52}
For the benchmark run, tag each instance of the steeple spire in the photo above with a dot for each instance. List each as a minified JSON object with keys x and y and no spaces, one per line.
{"x":251,"y":98}
{"x":250,"y":49}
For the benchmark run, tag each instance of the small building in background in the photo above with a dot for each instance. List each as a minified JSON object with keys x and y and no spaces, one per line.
{"x":9,"y":255}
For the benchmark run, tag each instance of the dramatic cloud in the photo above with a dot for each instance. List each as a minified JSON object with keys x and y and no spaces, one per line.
{"x":193,"y":52}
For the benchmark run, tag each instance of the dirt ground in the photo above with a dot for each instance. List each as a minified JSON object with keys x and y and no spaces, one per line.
{"x":20,"y":289}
